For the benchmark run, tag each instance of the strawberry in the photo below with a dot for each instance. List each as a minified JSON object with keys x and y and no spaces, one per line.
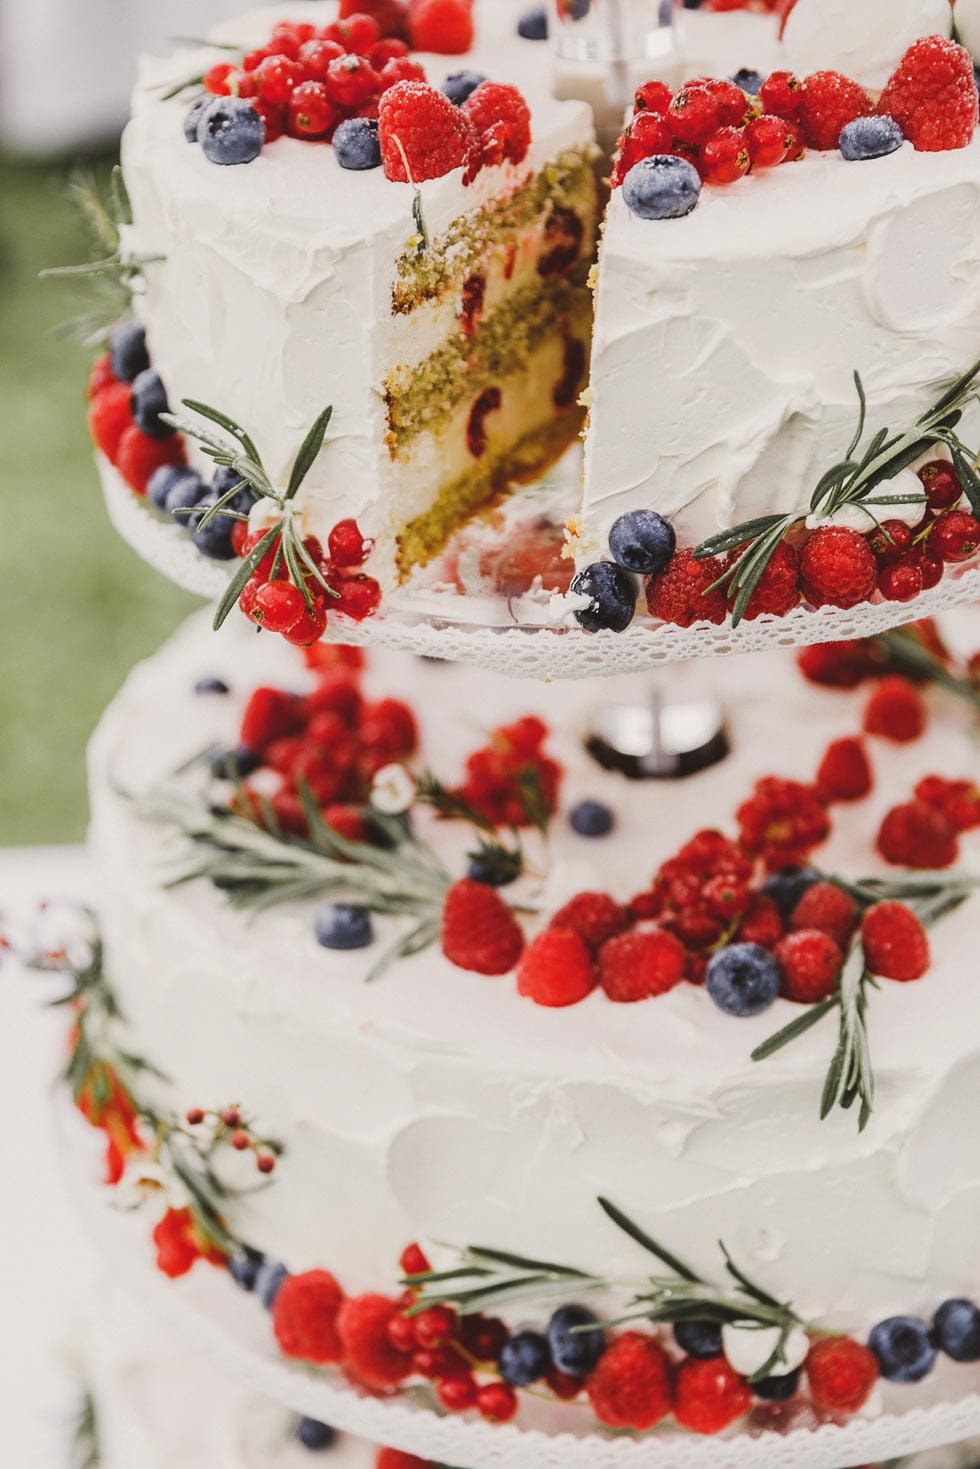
{"x":933,"y":95}
{"x":479,"y":932}
{"x":895,"y":943}
{"x":137,"y":455}
{"x":829,"y":910}
{"x":109,"y":416}
{"x":304,"y":1317}
{"x":631,"y":1387}
{"x":269,"y":715}
{"x":709,"y":1395}
{"x":362,"y":1323}
{"x":637,"y":966}
{"x":444,"y":26}
{"x":810,"y":963}
{"x":895,"y":710}
{"x":841,"y":1374}
{"x":844,"y":773}
{"x":915,"y":835}
{"x":556,"y":970}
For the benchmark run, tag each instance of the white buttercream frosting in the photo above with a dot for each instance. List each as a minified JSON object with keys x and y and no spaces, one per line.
{"x":436,"y":1103}
{"x":864,"y":40}
{"x":726,"y":342}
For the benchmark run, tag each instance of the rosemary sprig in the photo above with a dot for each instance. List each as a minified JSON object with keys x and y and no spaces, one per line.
{"x":851,"y":482}
{"x":85,"y":1452}
{"x":488,"y":1279}
{"x":284,"y":535}
{"x":112,"y":272}
{"x":492,"y":854}
{"x":907,"y":653}
{"x":850,"y":1075}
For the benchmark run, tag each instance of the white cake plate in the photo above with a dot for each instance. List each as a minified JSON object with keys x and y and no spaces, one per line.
{"x":212,"y":1314}
{"x":530,"y":638}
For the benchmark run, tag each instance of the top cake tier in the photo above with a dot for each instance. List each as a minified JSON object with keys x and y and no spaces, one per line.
{"x":415,"y":256}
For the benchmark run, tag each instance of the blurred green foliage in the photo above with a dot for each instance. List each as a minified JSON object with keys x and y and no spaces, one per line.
{"x":77,"y":607}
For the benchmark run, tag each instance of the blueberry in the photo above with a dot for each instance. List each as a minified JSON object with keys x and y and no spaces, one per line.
{"x":313,"y":1434}
{"x":574,"y":1352}
{"x":904,"y":1348}
{"x":356,"y":143}
{"x":462,"y":84}
{"x":163,"y":480}
{"x":750,"y":81}
{"x":701,"y":1339}
{"x":743,"y":979}
{"x":778,"y":1389}
{"x":533,"y":24}
{"x":127,"y":351}
{"x":210,"y":684}
{"x":642,"y":541}
{"x":233,"y":764}
{"x":662,"y":187}
{"x":224,"y":479}
{"x":269,"y":1280}
{"x":524,"y":1358}
{"x":494,"y":866}
{"x":244,"y":1268}
{"x":612,"y":597}
{"x":186,"y":493}
{"x":591,"y":819}
{"x":787,"y":886}
{"x":957,"y":1330}
{"x":340,"y":926}
{"x":214,"y":538}
{"x":147,"y":401}
{"x":230,"y":130}
{"x":193,"y":117}
{"x":870,"y":137}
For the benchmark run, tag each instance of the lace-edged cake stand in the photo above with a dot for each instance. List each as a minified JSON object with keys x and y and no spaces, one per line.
{"x":212,"y":1314}
{"x":530,"y":638}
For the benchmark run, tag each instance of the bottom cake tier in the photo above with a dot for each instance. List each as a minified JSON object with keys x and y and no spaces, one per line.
{"x":652,"y":1049}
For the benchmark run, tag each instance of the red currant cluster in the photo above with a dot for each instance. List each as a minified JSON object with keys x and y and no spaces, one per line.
{"x":307,"y":79}
{"x":332,"y":740}
{"x":911,"y":559}
{"x":228,"y":1126}
{"x":274,"y":601}
{"x":511,"y":781}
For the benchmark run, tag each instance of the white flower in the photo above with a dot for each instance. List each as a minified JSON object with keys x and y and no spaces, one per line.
{"x":144,"y":1180}
{"x":392,"y":790}
{"x":749,"y":1348}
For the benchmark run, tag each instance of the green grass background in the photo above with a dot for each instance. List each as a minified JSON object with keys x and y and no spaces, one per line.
{"x":77,"y":606}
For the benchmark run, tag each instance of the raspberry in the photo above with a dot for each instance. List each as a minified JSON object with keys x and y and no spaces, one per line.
{"x":362,"y":1324}
{"x":957,"y":800}
{"x":647,"y":134}
{"x":828,"y":102}
{"x":895,"y":942}
{"x":841,"y":1374}
{"x":762,"y":924}
{"x":631,"y":1387}
{"x":637,"y":966}
{"x":810,"y":963}
{"x":829,"y":910}
{"x":768,"y":140}
{"x":503,"y":120}
{"x":933,"y":96}
{"x":595,"y":917}
{"x":724,"y":156}
{"x":445,"y":26}
{"x":694,"y":114}
{"x":844,"y":773}
{"x":781,"y":94}
{"x":709,"y":1395}
{"x":269,"y":715}
{"x":778,"y":589}
{"x":837,"y":568}
{"x":435,"y":136}
{"x":895,"y":710}
{"x":652,"y":97}
{"x":955,"y":536}
{"x":389,"y":727}
{"x":782,"y":822}
{"x":556,"y":970}
{"x":680,"y":593}
{"x":137,"y":456}
{"x":479,"y":932}
{"x":109,"y":416}
{"x":841,"y":665}
{"x":304,"y":1317}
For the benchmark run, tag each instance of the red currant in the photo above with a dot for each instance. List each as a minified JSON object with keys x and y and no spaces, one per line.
{"x":399,"y":69}
{"x":890,"y":540}
{"x":278,"y":606}
{"x":694,"y":114}
{"x":483,"y":1336}
{"x":264,"y":568}
{"x":766,"y":140}
{"x":931,"y":568}
{"x":724,"y":157}
{"x":564,"y":1387}
{"x":387,"y":50}
{"x":311,"y":112}
{"x":360,"y":596}
{"x":942,"y":484}
{"x":265,"y":1162}
{"x":315,"y":58}
{"x":652,"y":97}
{"x":216,"y":79}
{"x":292,"y":32}
{"x":435,"y":1327}
{"x":243,"y":84}
{"x":275,"y":78}
{"x":346,"y":545}
{"x":780,"y":94}
{"x":358,"y":33}
{"x":457,"y":1393}
{"x":400,"y":1331}
{"x":497,"y":1402}
{"x":253,"y":59}
{"x":311,"y":626}
{"x":240,"y":1141}
{"x":195,"y":1116}
{"x":730,"y":99}
{"x":955,"y":536}
{"x":414,"y":1261}
{"x":900,"y":581}
{"x":795,"y":142}
{"x":647,"y":134}
{"x":351,"y":81}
